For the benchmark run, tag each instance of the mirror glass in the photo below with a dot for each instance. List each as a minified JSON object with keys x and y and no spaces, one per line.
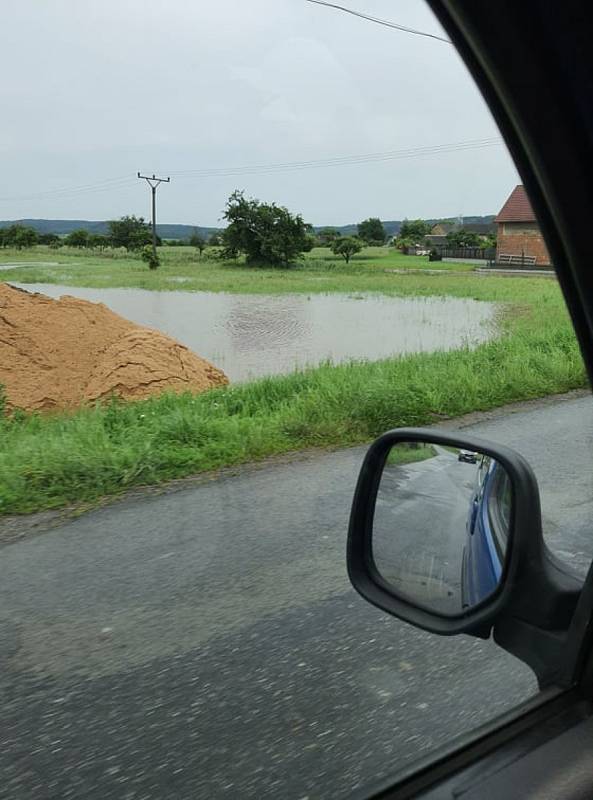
{"x":441,"y":525}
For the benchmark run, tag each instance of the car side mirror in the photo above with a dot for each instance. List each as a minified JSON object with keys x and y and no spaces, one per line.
{"x":445,"y":533}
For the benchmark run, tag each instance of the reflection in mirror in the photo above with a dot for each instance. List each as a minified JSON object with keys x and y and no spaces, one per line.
{"x":441,"y":525}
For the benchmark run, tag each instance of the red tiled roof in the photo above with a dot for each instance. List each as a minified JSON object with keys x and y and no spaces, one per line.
{"x":517,"y":208}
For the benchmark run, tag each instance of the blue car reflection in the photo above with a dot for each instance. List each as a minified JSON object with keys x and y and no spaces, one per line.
{"x":488,"y":524}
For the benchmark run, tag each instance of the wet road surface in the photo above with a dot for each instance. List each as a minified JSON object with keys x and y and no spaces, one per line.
{"x":205,"y":643}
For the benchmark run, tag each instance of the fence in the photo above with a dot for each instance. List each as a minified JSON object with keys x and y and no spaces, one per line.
{"x":477,"y":253}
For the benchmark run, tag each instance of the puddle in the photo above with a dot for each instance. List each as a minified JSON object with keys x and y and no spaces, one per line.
{"x":249,"y":336}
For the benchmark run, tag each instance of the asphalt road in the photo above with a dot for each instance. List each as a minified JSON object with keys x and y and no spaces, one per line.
{"x":419,"y":529}
{"x":205,"y":643}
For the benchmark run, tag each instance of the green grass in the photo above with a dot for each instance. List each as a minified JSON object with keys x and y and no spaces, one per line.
{"x":49,"y":461}
{"x":319,"y":271}
{"x":406,"y":454}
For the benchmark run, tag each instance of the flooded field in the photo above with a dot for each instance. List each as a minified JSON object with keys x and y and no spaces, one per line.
{"x":249,"y":336}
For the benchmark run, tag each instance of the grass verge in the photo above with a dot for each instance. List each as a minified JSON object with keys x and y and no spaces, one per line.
{"x":405,"y":453}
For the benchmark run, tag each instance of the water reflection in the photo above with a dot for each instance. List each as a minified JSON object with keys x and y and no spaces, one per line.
{"x":264,"y":325}
{"x":250,"y":336}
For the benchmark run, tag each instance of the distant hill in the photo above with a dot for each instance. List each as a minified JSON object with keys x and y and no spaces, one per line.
{"x":65,"y":226}
{"x":392,"y":226}
{"x":172,"y":231}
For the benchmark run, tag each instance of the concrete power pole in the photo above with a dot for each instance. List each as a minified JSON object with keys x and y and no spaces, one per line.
{"x":153,"y":182}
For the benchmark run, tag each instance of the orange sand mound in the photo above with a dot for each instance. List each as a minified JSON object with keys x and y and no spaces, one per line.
{"x":62,"y":353}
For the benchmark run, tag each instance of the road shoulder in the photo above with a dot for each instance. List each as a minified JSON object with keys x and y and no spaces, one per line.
{"x":15,"y":527}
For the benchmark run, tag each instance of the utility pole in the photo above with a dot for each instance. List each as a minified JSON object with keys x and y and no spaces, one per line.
{"x":153,"y":182}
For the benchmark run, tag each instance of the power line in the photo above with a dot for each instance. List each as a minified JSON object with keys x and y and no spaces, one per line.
{"x":123,"y":182}
{"x":365,"y":158}
{"x":67,"y":191}
{"x":379,"y":21}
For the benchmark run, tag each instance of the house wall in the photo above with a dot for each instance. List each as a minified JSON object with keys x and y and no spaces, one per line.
{"x":514,"y":238}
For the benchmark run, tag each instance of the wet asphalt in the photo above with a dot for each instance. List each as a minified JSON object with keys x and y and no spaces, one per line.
{"x":205,"y":642}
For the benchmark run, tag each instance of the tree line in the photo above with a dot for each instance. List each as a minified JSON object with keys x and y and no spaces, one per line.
{"x":130,"y":232}
{"x":263,"y":233}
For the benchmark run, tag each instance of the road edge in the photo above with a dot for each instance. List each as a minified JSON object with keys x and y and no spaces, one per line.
{"x":14,"y":527}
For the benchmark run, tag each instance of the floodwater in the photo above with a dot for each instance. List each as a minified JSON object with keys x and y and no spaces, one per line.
{"x":249,"y":336}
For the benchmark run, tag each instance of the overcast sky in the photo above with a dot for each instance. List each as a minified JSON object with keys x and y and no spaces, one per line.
{"x":96,"y":90}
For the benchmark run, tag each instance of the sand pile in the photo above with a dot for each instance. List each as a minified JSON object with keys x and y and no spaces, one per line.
{"x":62,"y":353}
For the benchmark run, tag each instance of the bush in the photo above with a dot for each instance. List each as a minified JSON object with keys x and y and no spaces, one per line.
{"x":149,"y":257}
{"x":198,"y":242}
{"x":130,"y":232}
{"x":50,"y":239}
{"x":78,"y":238}
{"x":19,"y":236}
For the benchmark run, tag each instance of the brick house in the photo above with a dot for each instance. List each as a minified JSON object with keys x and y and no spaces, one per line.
{"x":519,"y":236}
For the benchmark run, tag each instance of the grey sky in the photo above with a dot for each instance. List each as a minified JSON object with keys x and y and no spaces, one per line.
{"x":95,"y":90}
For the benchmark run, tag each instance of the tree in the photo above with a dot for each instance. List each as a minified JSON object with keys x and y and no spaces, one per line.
{"x":198,"y":242}
{"x":78,"y":238}
{"x":415,"y":229}
{"x":215,"y":239}
{"x":5,"y":237}
{"x":97,"y":241}
{"x":327,"y":236}
{"x":371,"y":231}
{"x":346,"y":246}
{"x":149,"y":257}
{"x":264,"y":232}
{"x":412,"y":233}
{"x":51,"y":239}
{"x":462,"y":238}
{"x":18,"y":236}
{"x":24,"y":237}
{"x":130,"y":232}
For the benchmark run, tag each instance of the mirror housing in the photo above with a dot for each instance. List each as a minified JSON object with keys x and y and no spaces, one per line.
{"x":536,"y":591}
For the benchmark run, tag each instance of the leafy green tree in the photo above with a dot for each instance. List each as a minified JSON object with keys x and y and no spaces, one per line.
{"x":97,"y":241}
{"x":215,"y":239}
{"x":130,"y":232}
{"x":346,"y":247}
{"x":327,"y":236}
{"x":18,"y":236}
{"x":412,"y":233}
{"x":51,"y":239}
{"x":148,"y":256}
{"x":264,"y":232}
{"x":198,"y":242}
{"x":415,"y":230}
{"x":78,"y":238}
{"x":25,"y":237}
{"x":371,"y":231}
{"x":462,"y":238}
